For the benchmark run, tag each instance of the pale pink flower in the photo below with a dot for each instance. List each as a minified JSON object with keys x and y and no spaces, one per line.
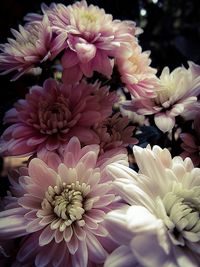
{"x":34,"y":44}
{"x":176,"y":96}
{"x":160,"y":224}
{"x":114,"y":132}
{"x":50,"y":115}
{"x":60,"y":209}
{"x":93,"y":37}
{"x":191,"y":143}
{"x":136,"y":73}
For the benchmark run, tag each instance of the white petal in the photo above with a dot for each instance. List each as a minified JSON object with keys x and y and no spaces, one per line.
{"x":95,"y":250}
{"x":139,"y":219}
{"x":116,"y":224}
{"x":163,"y":122}
{"x":150,"y":165}
{"x":148,"y":252}
{"x":121,"y":256}
{"x":185,"y":257}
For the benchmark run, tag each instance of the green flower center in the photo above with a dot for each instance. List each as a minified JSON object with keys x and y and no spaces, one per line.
{"x":180,"y":211}
{"x":66,"y":203}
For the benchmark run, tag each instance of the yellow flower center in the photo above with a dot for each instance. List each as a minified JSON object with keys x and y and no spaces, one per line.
{"x":90,"y":17}
{"x":53,"y":117}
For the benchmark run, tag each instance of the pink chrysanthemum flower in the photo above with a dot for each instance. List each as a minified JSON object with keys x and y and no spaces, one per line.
{"x":176,"y":96}
{"x":160,"y":225}
{"x":60,"y":210}
{"x":136,"y":73}
{"x":50,"y":115}
{"x":191,"y":143}
{"x":92,"y":38}
{"x":33,"y":45}
{"x":114,"y":132}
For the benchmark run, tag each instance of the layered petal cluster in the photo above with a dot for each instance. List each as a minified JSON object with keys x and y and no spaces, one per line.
{"x":160,"y":225}
{"x":59,"y":210}
{"x":136,"y":73}
{"x":33,"y":44}
{"x":191,"y":143}
{"x":50,"y":115}
{"x":93,"y":37}
{"x":114,"y":132}
{"x":176,"y":96}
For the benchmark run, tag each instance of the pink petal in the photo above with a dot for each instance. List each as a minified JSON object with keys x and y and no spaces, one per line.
{"x":12,"y":223}
{"x":100,"y":231}
{"x":72,"y":75}
{"x":30,"y":202}
{"x":19,"y":147}
{"x":104,"y":201}
{"x":68,"y":232}
{"x":79,"y":232}
{"x":122,"y":256}
{"x":85,"y":135}
{"x":103,"y":64}
{"x":36,"y":140}
{"x":69,"y":59}
{"x":95,"y":250}
{"x":46,"y":236}
{"x":80,"y":259}
{"x":89,"y":160}
{"x":85,"y":52}
{"x":74,"y":147}
{"x":28,"y":248}
{"x":67,"y":175}
{"x":52,"y":143}
{"x":91,"y":224}
{"x":73,"y":244}
{"x":34,"y":226}
{"x":89,"y":118}
{"x":96,"y":215}
{"x":42,"y":175}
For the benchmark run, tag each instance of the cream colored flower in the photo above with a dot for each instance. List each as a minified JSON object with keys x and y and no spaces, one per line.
{"x":160,"y":226}
{"x":177,"y":94}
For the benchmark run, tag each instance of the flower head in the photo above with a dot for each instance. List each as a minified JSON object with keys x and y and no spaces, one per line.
{"x":52,"y":114}
{"x":176,"y":96}
{"x":92,"y":38}
{"x":114,"y":132}
{"x":160,"y":225}
{"x":33,"y":45}
{"x":61,"y":209}
{"x":137,"y":75}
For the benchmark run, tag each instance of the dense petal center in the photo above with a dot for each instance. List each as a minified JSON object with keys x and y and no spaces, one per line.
{"x":181,"y":214}
{"x":88,"y":17}
{"x":66,"y":203}
{"x":53,"y":117}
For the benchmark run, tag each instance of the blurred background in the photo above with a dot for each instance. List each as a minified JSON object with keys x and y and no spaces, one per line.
{"x":171,"y":33}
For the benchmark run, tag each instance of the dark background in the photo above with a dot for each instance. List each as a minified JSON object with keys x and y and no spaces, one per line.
{"x":171,"y":32}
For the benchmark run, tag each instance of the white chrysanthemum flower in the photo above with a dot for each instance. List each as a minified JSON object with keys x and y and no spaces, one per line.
{"x":177,"y":95}
{"x":160,"y":226}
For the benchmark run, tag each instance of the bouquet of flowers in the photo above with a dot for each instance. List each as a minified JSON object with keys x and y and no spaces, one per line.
{"x":110,"y":171}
